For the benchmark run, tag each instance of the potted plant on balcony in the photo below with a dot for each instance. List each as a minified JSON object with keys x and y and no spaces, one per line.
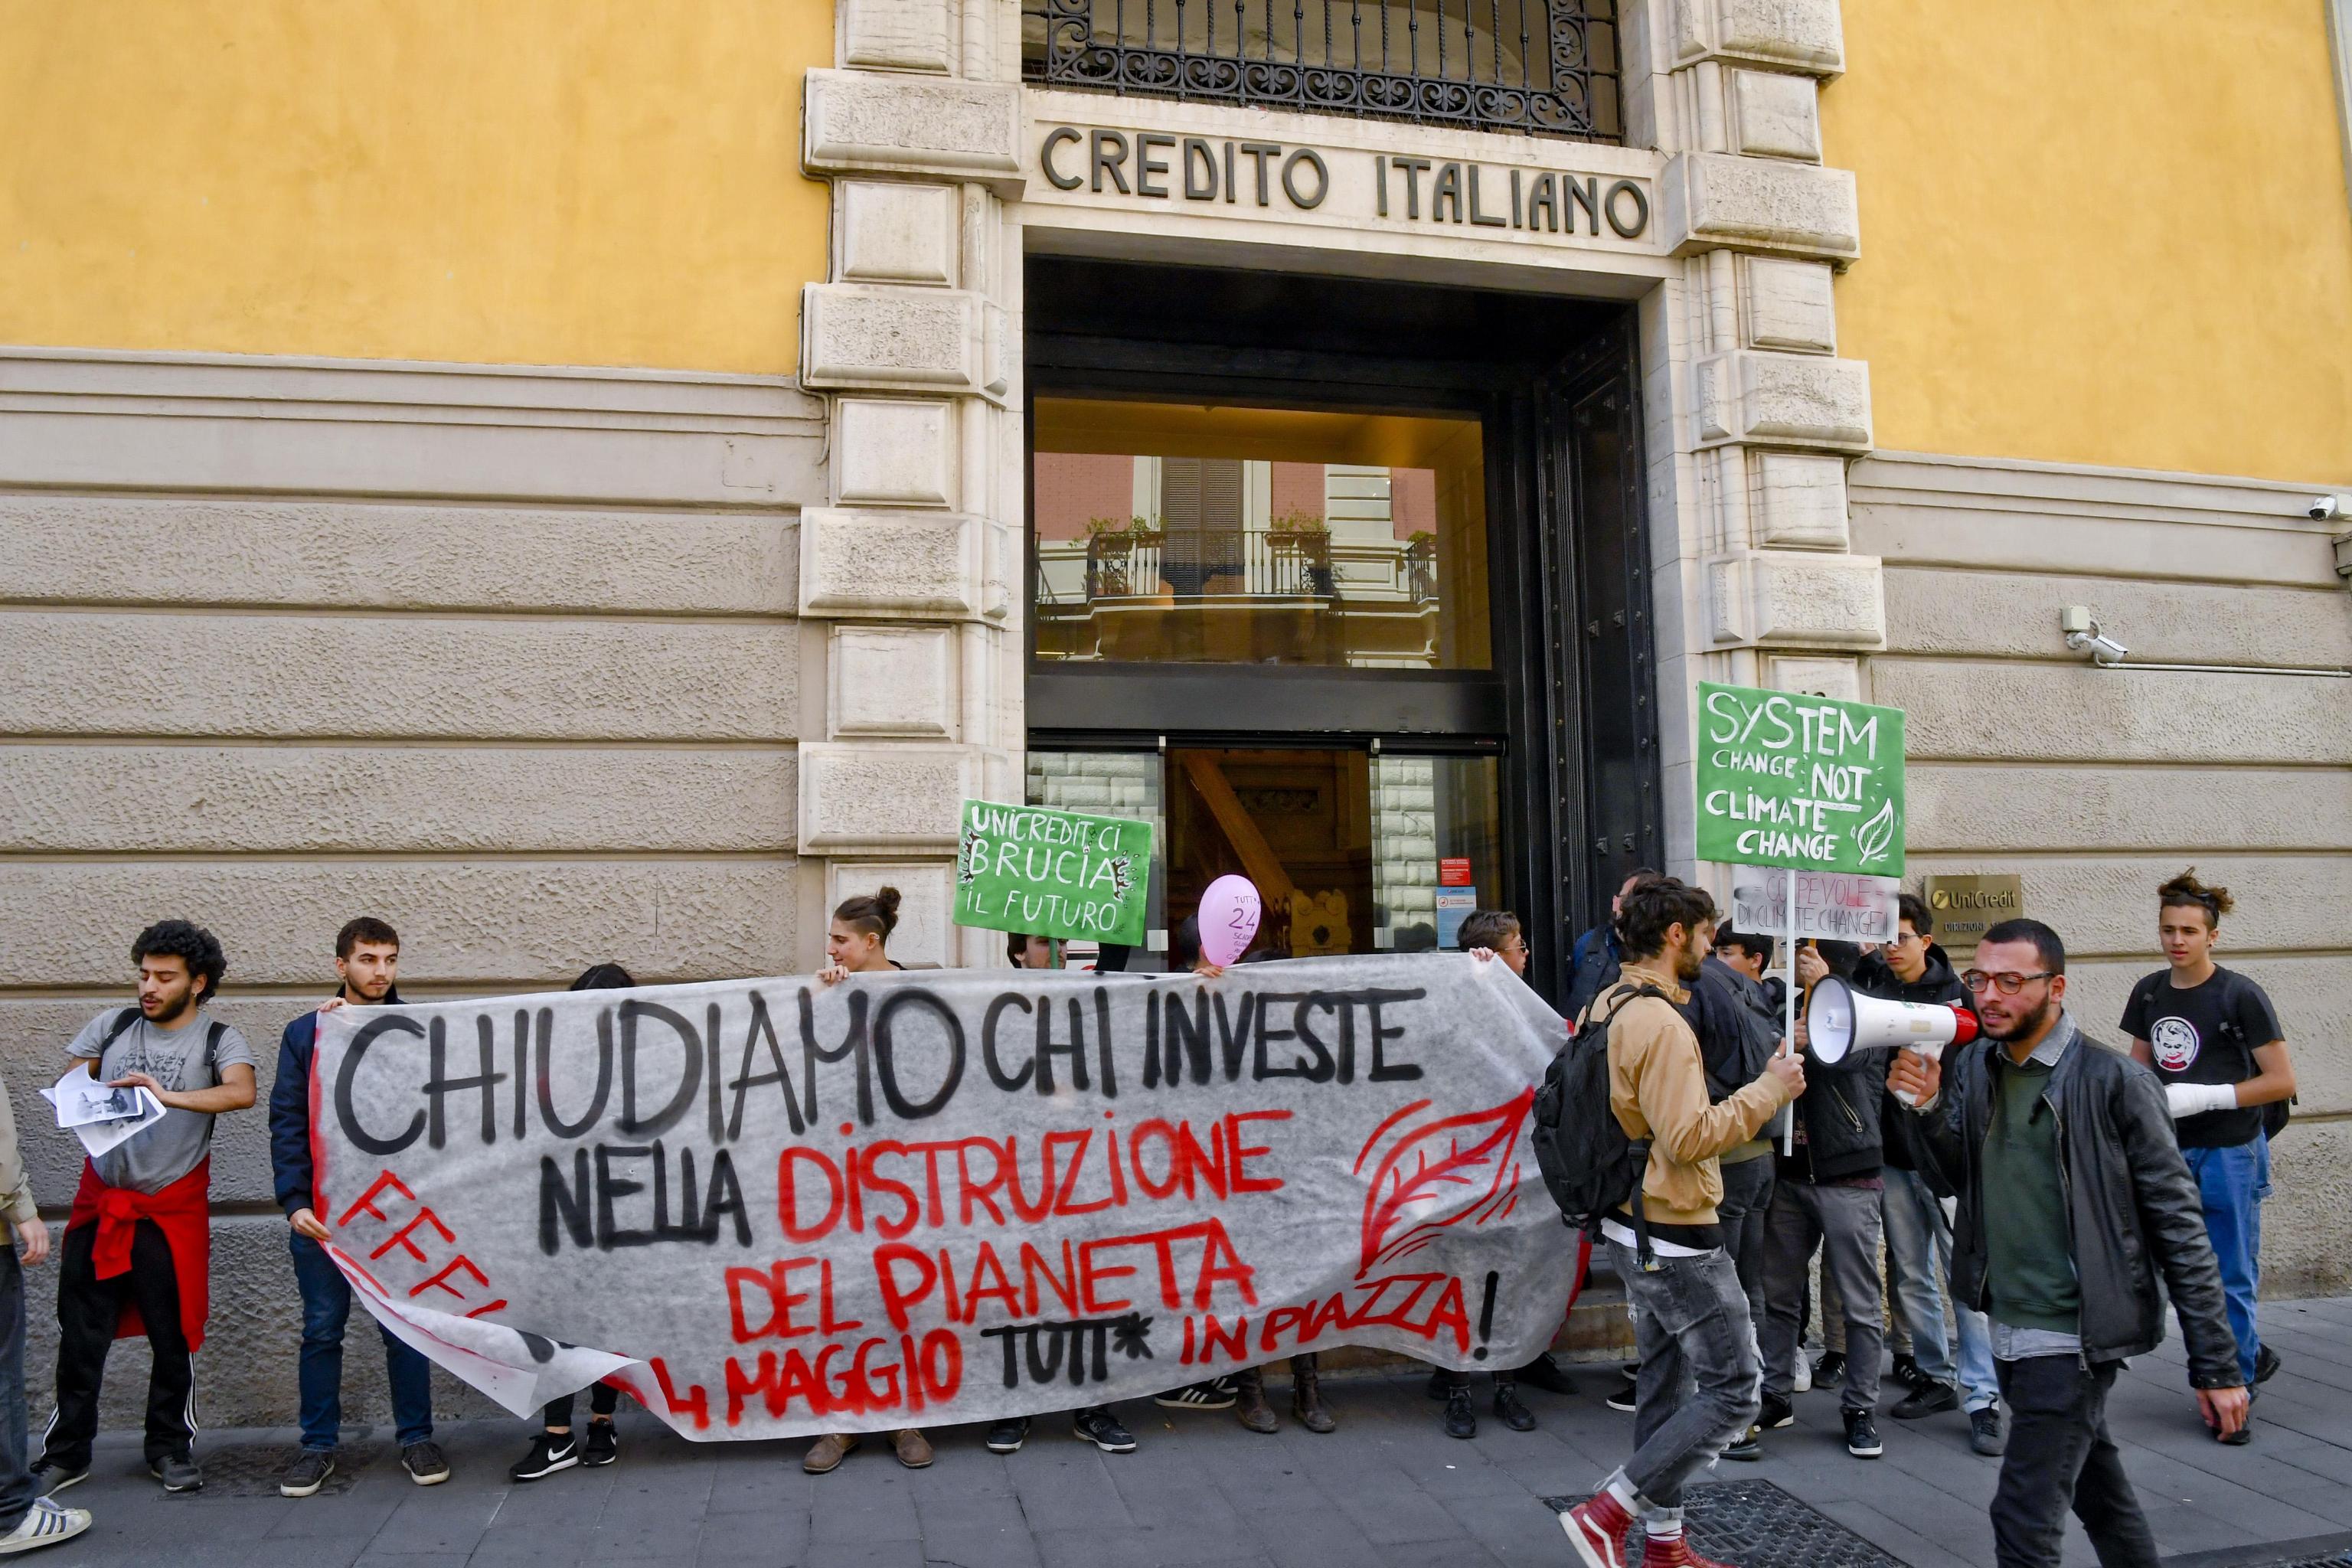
{"x":1113,"y":570}
{"x":1300,"y":542}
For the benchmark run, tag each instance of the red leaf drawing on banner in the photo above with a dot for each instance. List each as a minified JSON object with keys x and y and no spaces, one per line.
{"x":1429,"y":1164}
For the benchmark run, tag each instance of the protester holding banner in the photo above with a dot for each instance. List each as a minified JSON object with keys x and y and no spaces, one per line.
{"x":858,"y":942}
{"x":367,"y":963}
{"x":2070,"y":1146}
{"x":27,"y":1522}
{"x":1095,"y":1424}
{"x":1826,"y":1195}
{"x":552,"y":1449}
{"x":1487,"y":935}
{"x":2213,"y":1039}
{"x":138,"y":1247}
{"x":1219,"y":1392}
{"x":1913,"y":968}
{"x":1697,"y":1350}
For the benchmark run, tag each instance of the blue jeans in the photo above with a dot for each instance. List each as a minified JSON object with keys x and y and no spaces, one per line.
{"x":1916,"y":1233}
{"x":326,"y":1306}
{"x":2234,"y":1183}
{"x":15,"y":1442}
{"x":1696,"y":1390}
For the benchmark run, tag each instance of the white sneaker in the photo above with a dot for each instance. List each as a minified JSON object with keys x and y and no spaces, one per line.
{"x":44,"y":1524}
{"x":1804,"y":1378}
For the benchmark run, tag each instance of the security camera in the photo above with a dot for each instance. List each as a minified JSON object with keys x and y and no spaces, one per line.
{"x":2082,"y":634}
{"x":2322,"y":508}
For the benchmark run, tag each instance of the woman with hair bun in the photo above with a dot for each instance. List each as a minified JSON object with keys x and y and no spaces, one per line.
{"x":858,"y":942}
{"x":2212,"y":1035}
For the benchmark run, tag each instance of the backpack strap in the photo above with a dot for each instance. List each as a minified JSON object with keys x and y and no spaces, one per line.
{"x":120,"y":1026}
{"x":1639,"y":1148}
{"x":212,"y":1050}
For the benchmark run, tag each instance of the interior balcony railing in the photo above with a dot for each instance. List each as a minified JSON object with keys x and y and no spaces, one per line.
{"x":1543,"y":66}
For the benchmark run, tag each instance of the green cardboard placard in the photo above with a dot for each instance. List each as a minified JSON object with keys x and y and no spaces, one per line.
{"x":1809,"y":783}
{"x":1053,"y":873}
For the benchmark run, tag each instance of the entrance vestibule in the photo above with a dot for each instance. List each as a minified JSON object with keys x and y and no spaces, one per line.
{"x":1342,"y":583}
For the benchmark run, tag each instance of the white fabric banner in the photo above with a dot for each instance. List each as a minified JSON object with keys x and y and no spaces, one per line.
{"x":771,"y":1207}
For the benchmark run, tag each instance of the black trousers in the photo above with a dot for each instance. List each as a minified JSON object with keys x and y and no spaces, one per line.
{"x":2060,"y":1456}
{"x":603,"y":1400}
{"x":87,"y":1311}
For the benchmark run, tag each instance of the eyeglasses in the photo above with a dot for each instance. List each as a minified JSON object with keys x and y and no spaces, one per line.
{"x":2008,"y":983}
{"x":1517,"y":944}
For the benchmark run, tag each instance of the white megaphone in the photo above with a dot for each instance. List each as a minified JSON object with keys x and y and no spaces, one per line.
{"x":1839,"y":1019}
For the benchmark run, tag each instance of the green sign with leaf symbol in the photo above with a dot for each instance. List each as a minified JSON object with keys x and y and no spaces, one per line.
{"x":1809,"y":783}
{"x":1053,"y":873}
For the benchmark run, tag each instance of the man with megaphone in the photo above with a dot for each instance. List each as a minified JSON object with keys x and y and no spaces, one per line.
{"x":2072,"y":1146}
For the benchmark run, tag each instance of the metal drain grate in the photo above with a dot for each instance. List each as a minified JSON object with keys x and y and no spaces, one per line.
{"x":2308,"y":1551}
{"x":1757,"y":1525}
{"x":252,"y":1469}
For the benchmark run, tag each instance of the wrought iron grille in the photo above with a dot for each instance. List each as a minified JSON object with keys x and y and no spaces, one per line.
{"x":1545,"y":66}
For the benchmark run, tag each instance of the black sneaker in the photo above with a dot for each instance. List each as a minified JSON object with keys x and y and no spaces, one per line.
{"x":548,"y":1453}
{"x":1776,"y":1413}
{"x":1926,"y":1399}
{"x":1099,"y":1426}
{"x":177,"y":1472}
{"x":1621,"y":1397}
{"x":1862,"y":1435}
{"x":1214,"y":1393}
{"x":1830,"y":1370}
{"x":1546,"y":1374}
{"x":1985,"y":1432}
{"x":1905,"y":1370}
{"x":425,"y":1463}
{"x":603,"y":1444}
{"x":1510,"y":1409}
{"x":1461,"y":1420}
{"x":2267,"y":1363}
{"x":307,"y":1473}
{"x":1007,"y":1436}
{"x":50,"y":1478}
{"x":1747,"y":1447}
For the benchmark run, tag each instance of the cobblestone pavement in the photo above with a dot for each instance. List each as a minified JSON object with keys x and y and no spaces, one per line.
{"x":1389,"y":1488}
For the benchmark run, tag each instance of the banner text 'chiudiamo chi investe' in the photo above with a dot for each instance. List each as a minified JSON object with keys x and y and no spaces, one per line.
{"x":771,"y":1207}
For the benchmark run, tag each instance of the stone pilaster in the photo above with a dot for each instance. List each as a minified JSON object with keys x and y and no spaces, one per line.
{"x":1770,"y":414}
{"x":908,"y":579}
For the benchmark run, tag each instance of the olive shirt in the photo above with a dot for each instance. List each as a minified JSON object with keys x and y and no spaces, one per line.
{"x":16,"y":1205}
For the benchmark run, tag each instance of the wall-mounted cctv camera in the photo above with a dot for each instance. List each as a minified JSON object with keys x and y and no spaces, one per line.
{"x":2082,"y":634}
{"x":2322,"y":508}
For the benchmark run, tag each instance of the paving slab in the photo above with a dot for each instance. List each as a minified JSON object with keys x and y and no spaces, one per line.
{"x":1388,"y":1489}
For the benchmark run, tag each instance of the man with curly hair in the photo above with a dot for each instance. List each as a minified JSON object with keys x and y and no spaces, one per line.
{"x":138,"y":1248}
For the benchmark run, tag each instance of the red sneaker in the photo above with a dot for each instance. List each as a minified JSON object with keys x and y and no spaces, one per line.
{"x":1674,"y":1554}
{"x":1597,"y":1528}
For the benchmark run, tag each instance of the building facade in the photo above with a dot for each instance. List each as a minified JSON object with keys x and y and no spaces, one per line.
{"x":598,"y":484}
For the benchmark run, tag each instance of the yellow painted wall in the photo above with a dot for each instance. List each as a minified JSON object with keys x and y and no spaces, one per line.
{"x":2100,"y":234}
{"x":553,"y":181}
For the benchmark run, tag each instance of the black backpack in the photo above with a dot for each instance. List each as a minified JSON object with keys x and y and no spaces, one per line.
{"x":2276,"y":1114}
{"x":1589,"y":1165}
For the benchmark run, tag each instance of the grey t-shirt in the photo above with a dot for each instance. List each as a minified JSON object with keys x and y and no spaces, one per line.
{"x":152,"y":1161}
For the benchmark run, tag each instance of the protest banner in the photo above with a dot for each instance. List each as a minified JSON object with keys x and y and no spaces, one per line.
{"x":1044,"y":872}
{"x":1809,"y":783}
{"x":774,"y":1208}
{"x":1833,"y":905}
{"x":1806,"y":783}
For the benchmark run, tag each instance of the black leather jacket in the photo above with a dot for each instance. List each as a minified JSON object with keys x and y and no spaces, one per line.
{"x":2132,"y":1208}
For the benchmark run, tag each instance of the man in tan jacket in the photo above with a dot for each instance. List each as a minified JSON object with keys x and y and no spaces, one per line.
{"x":1691,"y":1320}
{"x":26,"y":1521}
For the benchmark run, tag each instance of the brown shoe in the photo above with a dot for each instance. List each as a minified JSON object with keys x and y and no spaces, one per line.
{"x":914,"y":1450}
{"x":1307,"y":1394}
{"x":1249,"y":1388}
{"x":828,"y":1451}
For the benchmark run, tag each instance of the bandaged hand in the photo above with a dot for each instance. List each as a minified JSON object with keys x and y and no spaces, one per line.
{"x":2185,"y":1100}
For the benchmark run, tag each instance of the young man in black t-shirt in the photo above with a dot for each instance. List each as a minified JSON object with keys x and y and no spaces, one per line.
{"x":2211,"y":1035}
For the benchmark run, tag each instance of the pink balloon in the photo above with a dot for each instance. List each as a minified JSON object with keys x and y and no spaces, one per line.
{"x":1229,"y":917}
